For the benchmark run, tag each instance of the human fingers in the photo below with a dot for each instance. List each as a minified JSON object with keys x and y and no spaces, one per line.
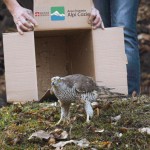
{"x":30,"y":19}
{"x":26,"y":23}
{"x":21,"y":26}
{"x":92,"y":16}
{"x":96,"y":25}
{"x":99,"y":24}
{"x":19,"y":30}
{"x":98,"y":21}
{"x":97,"y":18}
{"x":102,"y":25}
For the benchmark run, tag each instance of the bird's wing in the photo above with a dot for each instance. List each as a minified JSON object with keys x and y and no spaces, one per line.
{"x":81,"y":83}
{"x":84,"y":84}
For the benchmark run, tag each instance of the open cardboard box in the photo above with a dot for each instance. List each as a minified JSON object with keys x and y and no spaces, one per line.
{"x":32,"y":59}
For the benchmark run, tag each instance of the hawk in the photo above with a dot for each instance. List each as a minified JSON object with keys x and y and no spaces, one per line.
{"x":76,"y":88}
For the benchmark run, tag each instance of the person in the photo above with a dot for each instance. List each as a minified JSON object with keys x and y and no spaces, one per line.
{"x":124,"y":13}
{"x":113,"y":13}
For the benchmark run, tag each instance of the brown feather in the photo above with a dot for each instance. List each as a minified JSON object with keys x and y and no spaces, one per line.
{"x":82,"y":83}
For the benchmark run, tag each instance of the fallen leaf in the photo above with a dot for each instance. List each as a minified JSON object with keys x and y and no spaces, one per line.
{"x":95,"y":105}
{"x":115,"y":119}
{"x":99,"y":130}
{"x":97,"y":112}
{"x":17,"y":109}
{"x":84,"y":143}
{"x":106,"y":144}
{"x":127,"y":145}
{"x":100,"y":144}
{"x":124,"y":99}
{"x":16,"y":140}
{"x":123,"y":129}
{"x":59,"y":134}
{"x":107,"y":105}
{"x":93,"y":149}
{"x":80,"y":117}
{"x":134,"y":94}
{"x":64,"y":135}
{"x":59,"y":148}
{"x":147,"y":130}
{"x":62,"y":144}
{"x":73,"y":119}
{"x":118,"y":134}
{"x":40,"y":134}
{"x":45,"y":148}
{"x":51,"y":141}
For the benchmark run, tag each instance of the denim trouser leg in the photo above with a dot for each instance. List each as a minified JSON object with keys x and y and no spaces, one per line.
{"x":124,"y":13}
{"x":104,"y":7}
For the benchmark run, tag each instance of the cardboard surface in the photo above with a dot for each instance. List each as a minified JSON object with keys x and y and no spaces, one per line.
{"x":81,"y":53}
{"x":110,"y":59}
{"x":51,"y":58}
{"x":20,"y":67}
{"x":62,"y":14}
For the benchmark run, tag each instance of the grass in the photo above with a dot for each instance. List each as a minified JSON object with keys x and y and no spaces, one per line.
{"x":18,"y":122}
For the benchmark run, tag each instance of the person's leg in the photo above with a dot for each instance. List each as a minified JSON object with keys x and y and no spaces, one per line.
{"x":124,"y":13}
{"x":104,"y":7}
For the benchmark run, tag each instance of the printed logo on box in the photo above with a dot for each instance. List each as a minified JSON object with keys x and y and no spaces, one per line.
{"x":37,"y":14}
{"x":57,"y":13}
{"x":41,"y":14}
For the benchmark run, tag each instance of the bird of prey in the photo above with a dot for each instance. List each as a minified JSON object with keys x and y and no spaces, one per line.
{"x":73,"y":88}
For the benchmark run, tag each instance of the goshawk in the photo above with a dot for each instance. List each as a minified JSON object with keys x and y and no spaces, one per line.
{"x":73,"y":88}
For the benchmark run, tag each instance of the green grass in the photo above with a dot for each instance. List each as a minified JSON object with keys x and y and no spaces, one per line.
{"x":18,"y":122}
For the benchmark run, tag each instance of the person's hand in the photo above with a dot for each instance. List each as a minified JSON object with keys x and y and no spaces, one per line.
{"x":95,"y":19}
{"x":23,"y":19}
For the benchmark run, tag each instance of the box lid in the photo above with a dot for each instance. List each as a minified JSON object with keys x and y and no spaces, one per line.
{"x":20,"y":67}
{"x":110,"y":59}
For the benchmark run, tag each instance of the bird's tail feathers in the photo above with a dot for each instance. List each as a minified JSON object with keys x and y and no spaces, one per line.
{"x":107,"y":92}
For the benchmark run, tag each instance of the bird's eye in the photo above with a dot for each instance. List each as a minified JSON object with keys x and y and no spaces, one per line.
{"x":59,"y":80}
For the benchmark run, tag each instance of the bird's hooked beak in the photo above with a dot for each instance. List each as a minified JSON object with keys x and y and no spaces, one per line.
{"x":52,"y":83}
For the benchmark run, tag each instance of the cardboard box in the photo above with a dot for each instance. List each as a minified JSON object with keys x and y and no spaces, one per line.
{"x":62,"y":14}
{"x":31,"y":60}
{"x":59,"y":49}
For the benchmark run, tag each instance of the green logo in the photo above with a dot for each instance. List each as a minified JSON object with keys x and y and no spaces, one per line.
{"x":57,"y":13}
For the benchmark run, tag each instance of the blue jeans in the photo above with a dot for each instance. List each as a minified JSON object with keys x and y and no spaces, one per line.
{"x":124,"y":13}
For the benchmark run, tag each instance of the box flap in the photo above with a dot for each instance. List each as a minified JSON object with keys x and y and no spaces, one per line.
{"x":110,"y":58}
{"x":20,"y":67}
{"x":62,"y":14}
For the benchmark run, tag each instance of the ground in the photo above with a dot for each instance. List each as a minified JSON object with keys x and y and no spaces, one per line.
{"x":106,"y":131}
